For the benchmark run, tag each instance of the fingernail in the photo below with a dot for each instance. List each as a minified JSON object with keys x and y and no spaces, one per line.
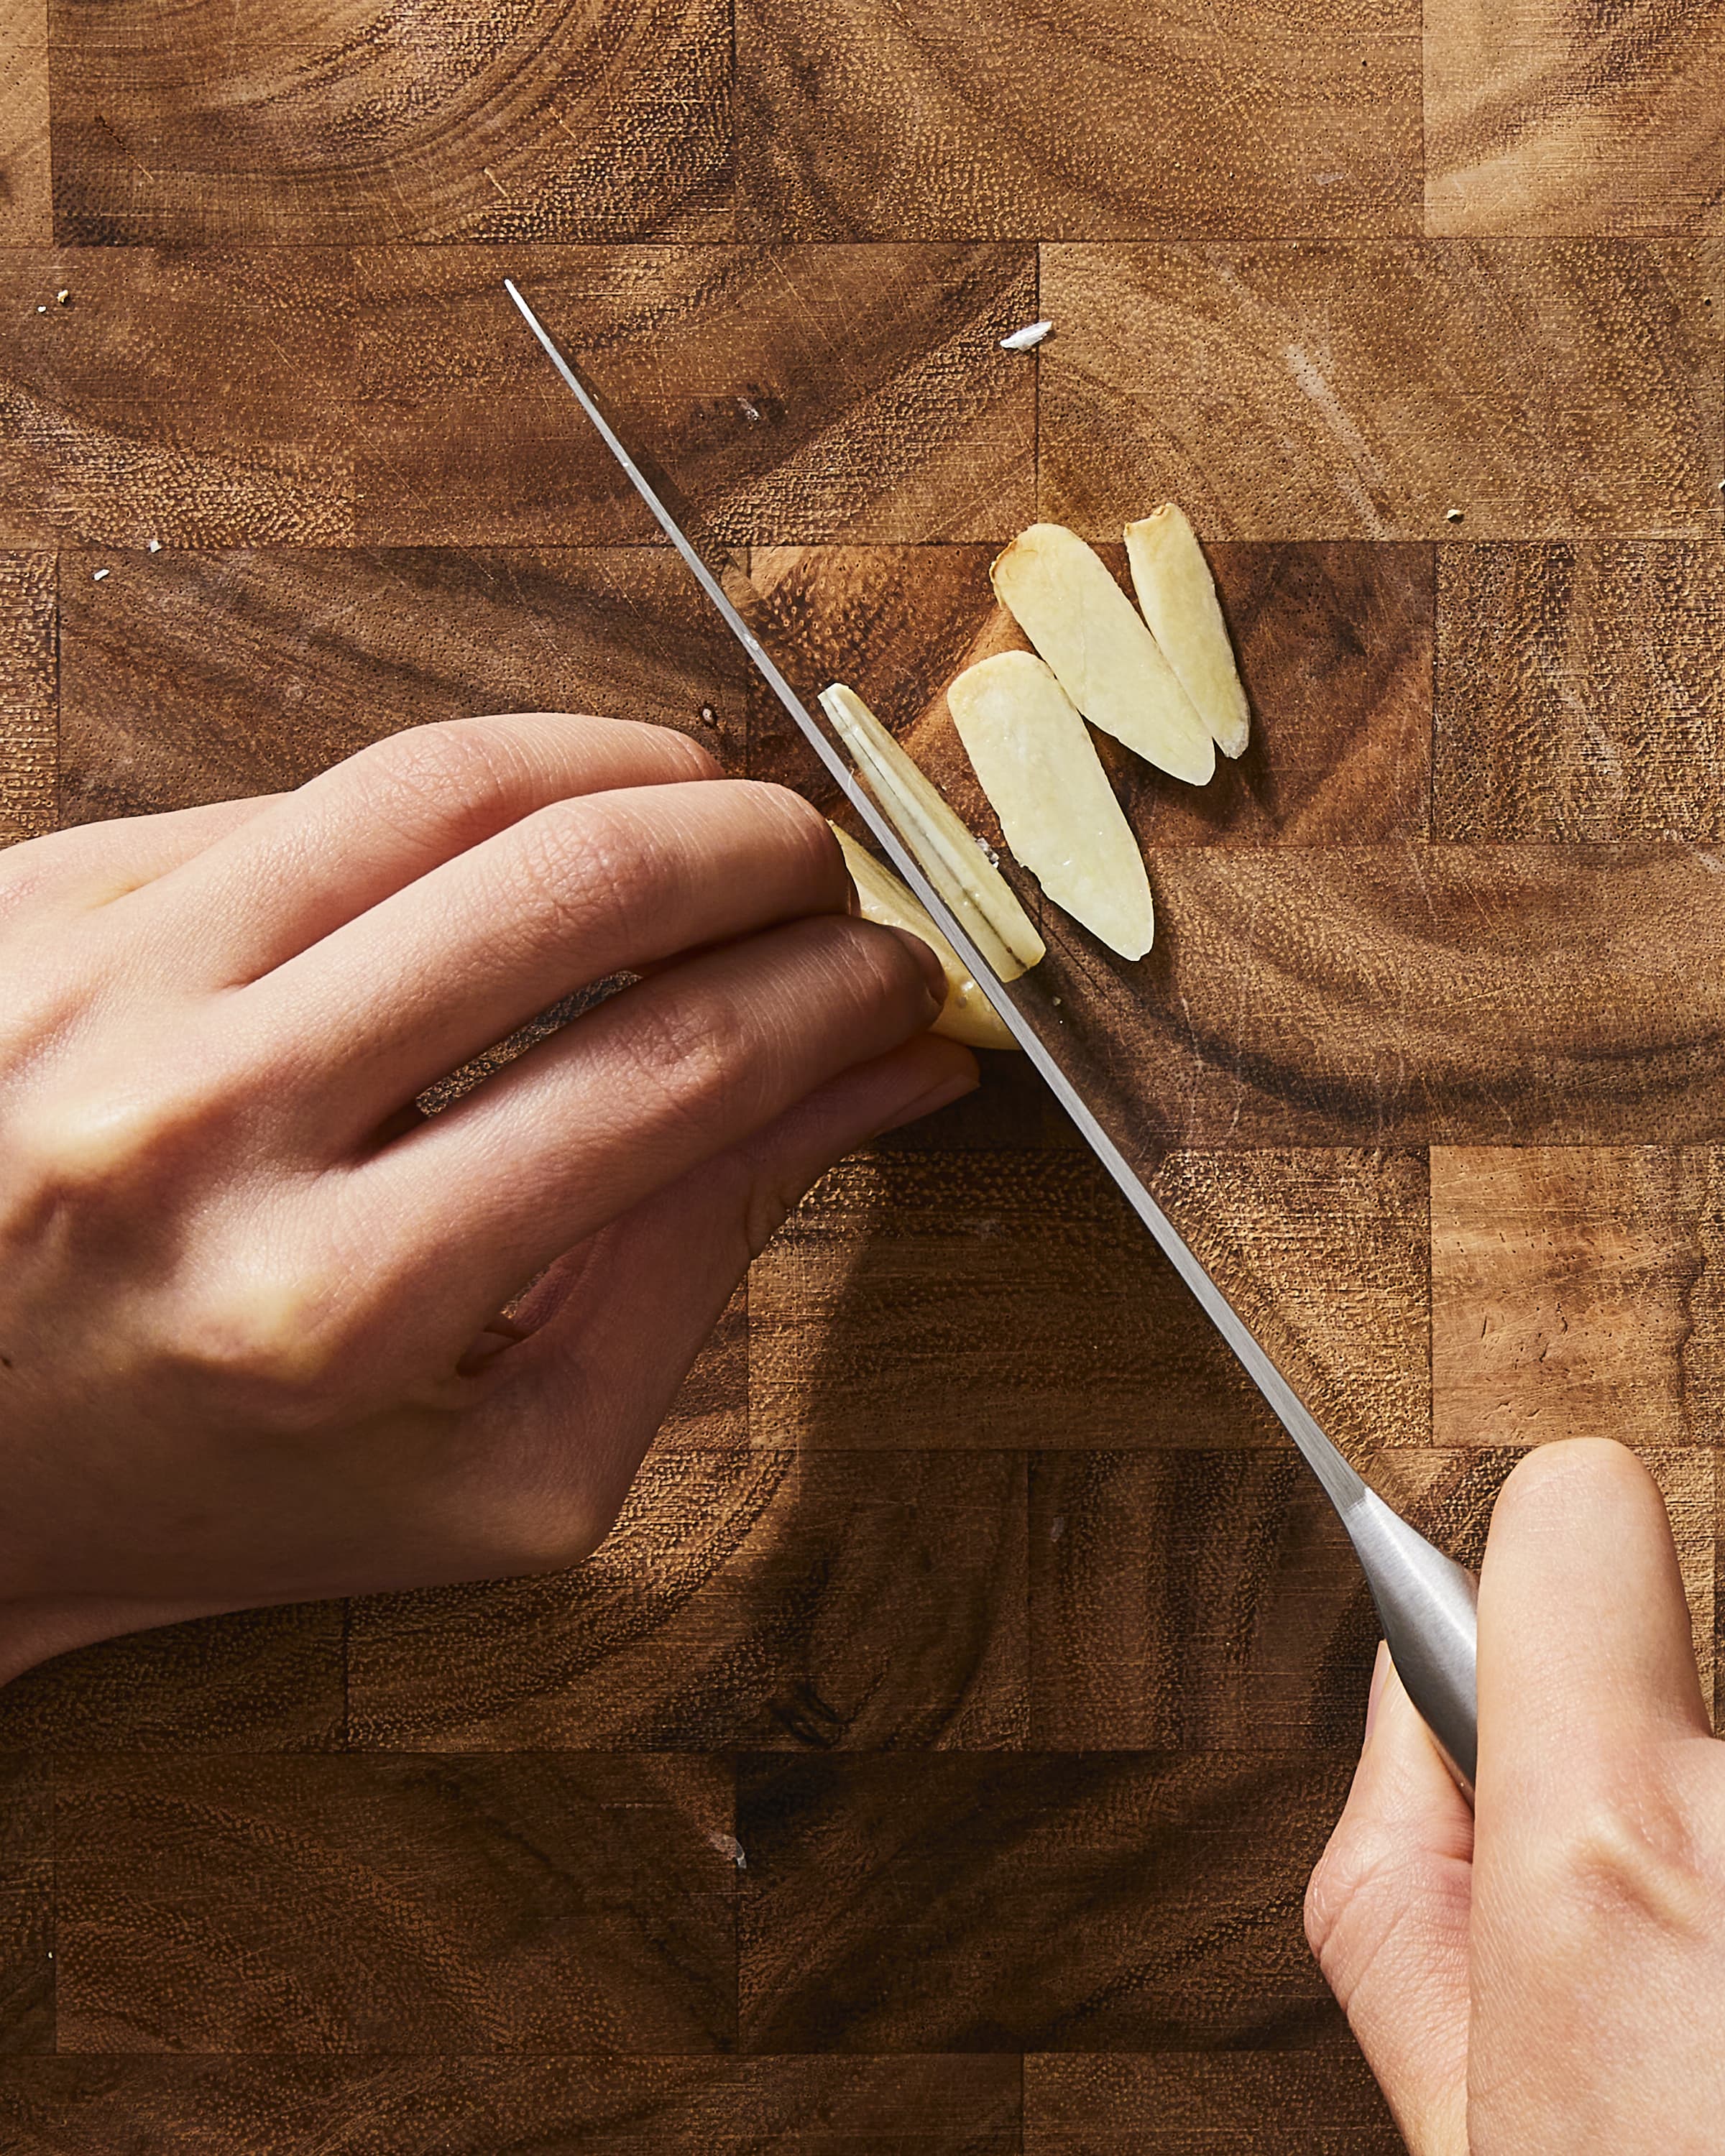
{"x":934,"y":972}
{"x":1380,"y":1675}
{"x":938,"y":1096}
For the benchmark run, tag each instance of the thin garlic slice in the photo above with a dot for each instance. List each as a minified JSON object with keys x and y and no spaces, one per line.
{"x":968,"y":1015}
{"x":1040,"y":769}
{"x":1061,"y":595}
{"x":1177,"y":593}
{"x":945,"y":849}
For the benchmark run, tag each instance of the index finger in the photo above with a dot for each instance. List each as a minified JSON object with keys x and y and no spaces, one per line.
{"x":350,"y":838}
{"x":1585,"y":1645}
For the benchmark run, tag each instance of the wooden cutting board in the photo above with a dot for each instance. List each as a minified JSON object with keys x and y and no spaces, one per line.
{"x":934,"y":1754}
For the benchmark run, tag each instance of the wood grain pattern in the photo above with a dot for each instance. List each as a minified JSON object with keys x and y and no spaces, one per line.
{"x":1198,"y":1600}
{"x":1580,"y":694}
{"x":712,"y":1407}
{"x":858,"y":120}
{"x":794,"y":394}
{"x":1334,"y":644}
{"x":1205,"y":2104}
{"x":1325,"y":1254}
{"x":354,"y":123}
{"x":28,"y":717}
{"x":1026,"y":1306}
{"x":1284,"y":392}
{"x":1205,"y":1600}
{"x":1405,"y":995}
{"x":338,"y":1904}
{"x":26,"y":195}
{"x":896,"y":624}
{"x":258,"y":1680}
{"x":191,"y":676}
{"x":475,"y":2106}
{"x":27,"y":1898}
{"x":1578,"y":1291}
{"x":1090,"y":1902}
{"x":198,"y":399}
{"x":733,"y":1608}
{"x":1559,"y":117}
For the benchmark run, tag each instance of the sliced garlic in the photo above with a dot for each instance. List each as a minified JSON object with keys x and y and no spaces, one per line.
{"x":1061,"y":595}
{"x":1040,"y":769}
{"x":968,"y":1015}
{"x":944,"y":848}
{"x":1177,"y":595}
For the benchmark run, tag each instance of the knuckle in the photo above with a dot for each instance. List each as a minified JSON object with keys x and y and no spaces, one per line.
{"x":793,"y":822}
{"x":460,"y":768}
{"x":533,"y":1510}
{"x":65,"y":1145}
{"x":547,"y":1537}
{"x":688,"y":1047}
{"x":80,"y":1144}
{"x":568,"y":865}
{"x":872,"y":968}
{"x":1354,"y":1863}
{"x":684,"y":756}
{"x":277,"y":1338}
{"x":764,"y":1192}
{"x":1367,"y":1889}
{"x":1622,"y":1853}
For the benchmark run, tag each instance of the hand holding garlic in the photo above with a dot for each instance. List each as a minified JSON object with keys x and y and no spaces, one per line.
{"x":270,"y":1332}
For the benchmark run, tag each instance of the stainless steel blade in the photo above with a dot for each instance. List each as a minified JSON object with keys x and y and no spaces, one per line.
{"x":1425,"y":1599}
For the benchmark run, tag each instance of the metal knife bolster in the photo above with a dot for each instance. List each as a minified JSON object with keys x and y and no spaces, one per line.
{"x":1428,"y":1605}
{"x":1425,"y":1601}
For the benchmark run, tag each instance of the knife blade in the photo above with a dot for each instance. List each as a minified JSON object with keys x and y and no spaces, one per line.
{"x":1426,"y":1601}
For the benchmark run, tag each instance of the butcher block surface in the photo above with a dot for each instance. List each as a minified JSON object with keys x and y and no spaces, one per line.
{"x":933,"y":1758}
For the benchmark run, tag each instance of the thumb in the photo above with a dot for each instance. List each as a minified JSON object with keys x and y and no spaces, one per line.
{"x":617,"y":1322}
{"x":1386,"y":1914}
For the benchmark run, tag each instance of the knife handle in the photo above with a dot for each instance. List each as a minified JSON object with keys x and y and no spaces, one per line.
{"x":1428,"y":1605}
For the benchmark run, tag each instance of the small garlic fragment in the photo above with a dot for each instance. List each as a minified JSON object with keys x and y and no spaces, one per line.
{"x":1028,"y":338}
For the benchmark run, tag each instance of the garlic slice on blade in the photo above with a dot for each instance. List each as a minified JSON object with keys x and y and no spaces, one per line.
{"x":1060,"y":592}
{"x":967,"y":1015}
{"x":1177,"y":595}
{"x":945,"y":849}
{"x":1040,"y":769}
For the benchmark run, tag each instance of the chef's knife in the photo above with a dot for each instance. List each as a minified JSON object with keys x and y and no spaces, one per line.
{"x":1426,"y":1601}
